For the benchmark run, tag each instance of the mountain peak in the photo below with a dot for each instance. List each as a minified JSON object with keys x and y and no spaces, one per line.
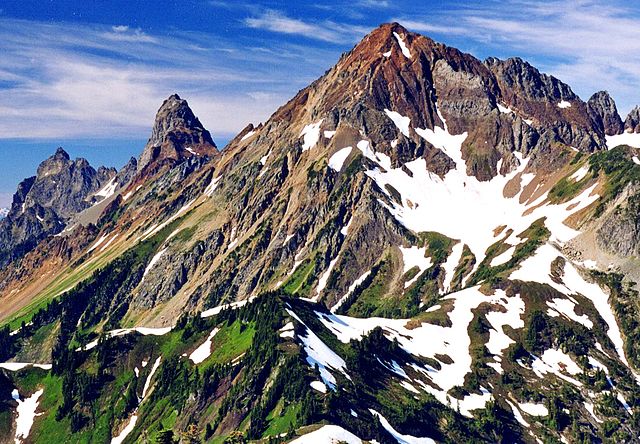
{"x":61,"y":154}
{"x":177,"y":133}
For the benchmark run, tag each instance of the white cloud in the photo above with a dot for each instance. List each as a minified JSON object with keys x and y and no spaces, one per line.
{"x":66,"y":80}
{"x":327,"y":31}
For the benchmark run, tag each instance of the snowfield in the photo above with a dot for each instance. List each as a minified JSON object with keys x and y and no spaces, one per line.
{"x":428,"y":340}
{"x":465,"y":197}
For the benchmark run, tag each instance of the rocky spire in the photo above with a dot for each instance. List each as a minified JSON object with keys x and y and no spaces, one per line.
{"x":177,"y":134}
{"x":604,"y":113}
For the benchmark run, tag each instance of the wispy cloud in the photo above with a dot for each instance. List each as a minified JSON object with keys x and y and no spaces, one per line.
{"x":64,"y":80}
{"x":588,"y":44}
{"x":327,"y":31}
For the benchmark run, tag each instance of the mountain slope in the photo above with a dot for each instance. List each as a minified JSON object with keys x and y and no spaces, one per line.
{"x":418,"y":246}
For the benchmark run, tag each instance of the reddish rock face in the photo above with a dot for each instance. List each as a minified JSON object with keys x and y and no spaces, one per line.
{"x":504,"y":106}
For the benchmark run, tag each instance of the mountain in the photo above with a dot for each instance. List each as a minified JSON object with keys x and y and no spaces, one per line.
{"x":44,"y":203}
{"x":418,"y":247}
{"x":177,"y":134}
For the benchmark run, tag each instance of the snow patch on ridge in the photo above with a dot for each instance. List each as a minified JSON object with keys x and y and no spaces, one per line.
{"x":337,"y":159}
{"x":311,"y":135}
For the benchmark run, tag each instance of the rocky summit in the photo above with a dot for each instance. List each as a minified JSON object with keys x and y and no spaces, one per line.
{"x":418,"y":247}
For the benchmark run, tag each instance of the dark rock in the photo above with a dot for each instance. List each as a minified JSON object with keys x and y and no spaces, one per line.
{"x":177,"y":134}
{"x":604,"y":113}
{"x":632,"y":122}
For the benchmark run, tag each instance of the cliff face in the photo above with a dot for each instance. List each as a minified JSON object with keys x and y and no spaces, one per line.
{"x":604,"y":113}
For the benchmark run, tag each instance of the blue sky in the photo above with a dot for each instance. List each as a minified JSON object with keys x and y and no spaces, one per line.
{"x":89,"y":75}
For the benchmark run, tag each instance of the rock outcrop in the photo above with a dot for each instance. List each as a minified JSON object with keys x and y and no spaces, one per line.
{"x":177,"y":134}
{"x":44,"y":203}
{"x":604,"y":113}
{"x":632,"y":122}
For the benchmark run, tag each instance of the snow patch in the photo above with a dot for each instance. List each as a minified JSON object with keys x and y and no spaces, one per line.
{"x":537,"y":268}
{"x":319,"y":354}
{"x":566,"y":307}
{"x":99,"y":241}
{"x":352,"y":287}
{"x":156,"y":257}
{"x":15,"y":366}
{"x":322,"y":282}
{"x":503,"y":258}
{"x":204,"y":350}
{"x":107,"y":190}
{"x":563,"y":104}
{"x":403,"y":46}
{"x":580,"y":174}
{"x":498,"y":339}
{"x":212,"y":186}
{"x":319,"y":386}
{"x":246,"y":136}
{"x":26,"y":414}
{"x":232,"y":305}
{"x":263,"y":159}
{"x":415,"y":257}
{"x":430,"y":340}
{"x":311,"y":135}
{"x":402,"y":439}
{"x":451,"y":264}
{"x":504,"y":109}
{"x":534,"y":409}
{"x":402,"y":122}
{"x":125,"y":432}
{"x":337,"y":159}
